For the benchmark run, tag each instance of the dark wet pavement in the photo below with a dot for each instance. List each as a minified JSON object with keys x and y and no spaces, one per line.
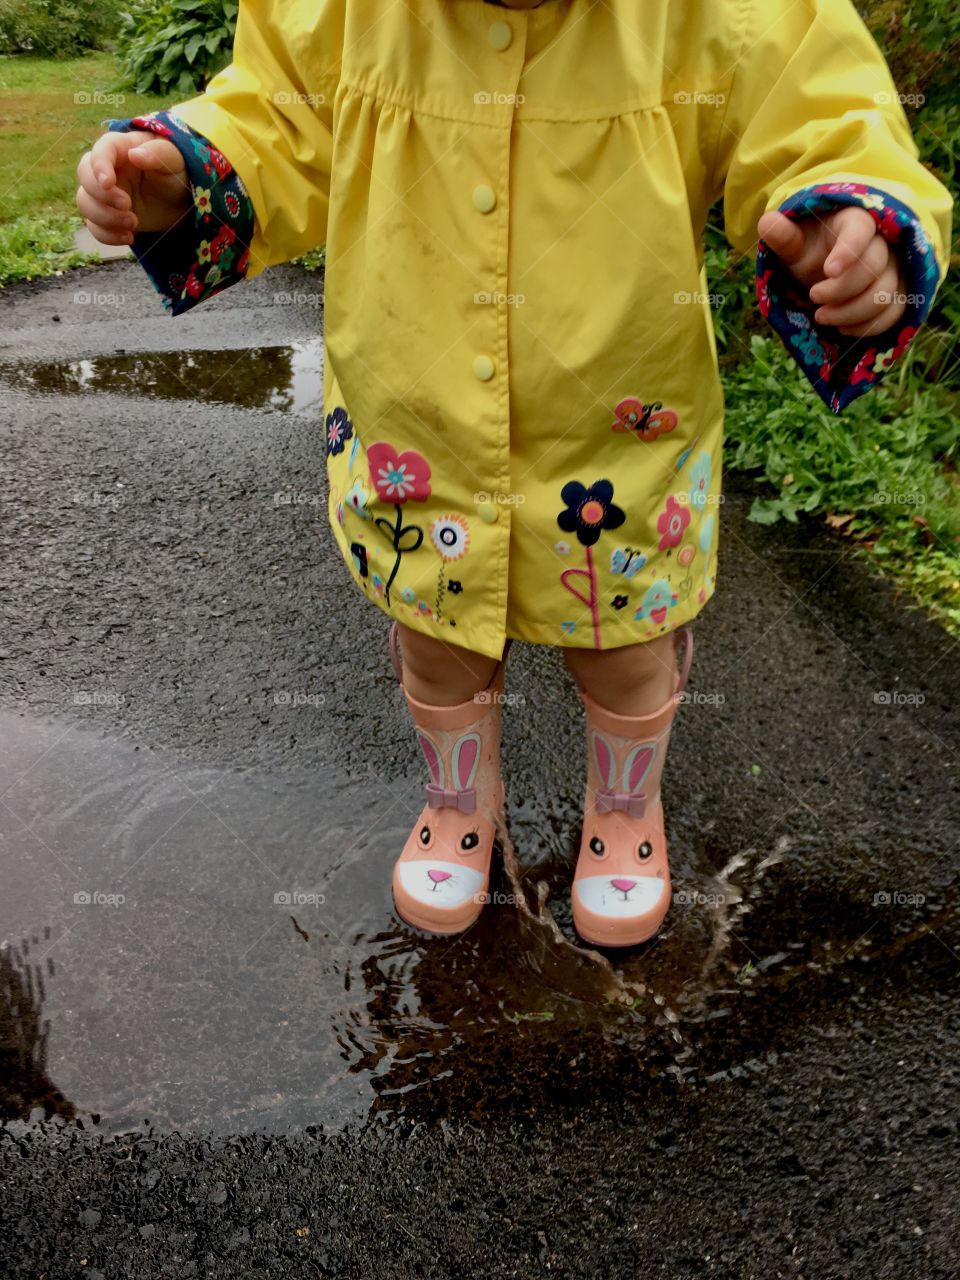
{"x":201,"y":733}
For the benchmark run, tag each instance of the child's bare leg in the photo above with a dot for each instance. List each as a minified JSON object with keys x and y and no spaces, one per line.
{"x":635,"y":680}
{"x":441,"y":674}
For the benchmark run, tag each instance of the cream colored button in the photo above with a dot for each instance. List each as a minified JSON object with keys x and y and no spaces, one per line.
{"x":500,"y":35}
{"x":487,"y":511}
{"x":483,"y":368}
{"x":484,"y":198}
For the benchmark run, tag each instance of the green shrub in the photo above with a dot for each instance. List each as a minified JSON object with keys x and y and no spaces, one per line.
{"x":57,"y":28}
{"x":173,"y":47}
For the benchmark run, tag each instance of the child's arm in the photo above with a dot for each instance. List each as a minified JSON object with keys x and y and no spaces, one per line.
{"x":813,"y":128}
{"x":257,"y":149}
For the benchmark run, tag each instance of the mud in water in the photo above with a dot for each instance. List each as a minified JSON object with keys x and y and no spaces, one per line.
{"x":197,"y":948}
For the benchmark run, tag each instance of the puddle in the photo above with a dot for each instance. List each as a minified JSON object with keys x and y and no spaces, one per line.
{"x":285,"y":378}
{"x":190,"y":948}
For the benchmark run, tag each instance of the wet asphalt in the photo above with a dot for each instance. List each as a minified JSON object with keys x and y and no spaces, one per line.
{"x":221,"y":1053}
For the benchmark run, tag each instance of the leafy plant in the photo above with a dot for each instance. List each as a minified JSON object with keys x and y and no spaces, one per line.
{"x":35,"y":246}
{"x":731,"y":278}
{"x":313,"y":259}
{"x":885,"y":473}
{"x":173,"y":47}
{"x":56,"y":28}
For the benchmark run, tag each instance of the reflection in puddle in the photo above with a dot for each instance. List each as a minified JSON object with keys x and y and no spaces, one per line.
{"x":217,"y":950}
{"x":286,"y":378}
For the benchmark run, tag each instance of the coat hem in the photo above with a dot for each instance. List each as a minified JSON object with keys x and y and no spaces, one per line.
{"x":620,"y":634}
{"x":616,"y":634}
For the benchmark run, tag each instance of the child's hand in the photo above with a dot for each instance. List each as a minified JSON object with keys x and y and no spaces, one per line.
{"x":848,"y":268}
{"x":131,"y":182}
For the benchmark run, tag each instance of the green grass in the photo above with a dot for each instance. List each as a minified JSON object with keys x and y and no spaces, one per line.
{"x":883,"y":472}
{"x":52,"y":111}
{"x":40,"y":246}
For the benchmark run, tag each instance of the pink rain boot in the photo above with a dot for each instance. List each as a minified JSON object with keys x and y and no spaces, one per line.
{"x":441,"y":878}
{"x":621,"y":887}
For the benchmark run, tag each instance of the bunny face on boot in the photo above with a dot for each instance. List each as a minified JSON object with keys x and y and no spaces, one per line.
{"x":440,"y":865}
{"x":620,"y":873}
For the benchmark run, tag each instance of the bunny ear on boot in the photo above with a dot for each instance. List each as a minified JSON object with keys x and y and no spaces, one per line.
{"x":621,"y":886}
{"x":442,"y":877}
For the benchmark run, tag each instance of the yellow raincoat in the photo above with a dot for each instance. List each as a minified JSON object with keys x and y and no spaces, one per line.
{"x":523,"y":410}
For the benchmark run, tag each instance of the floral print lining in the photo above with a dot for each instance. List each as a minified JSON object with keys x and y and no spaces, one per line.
{"x":841,"y":367}
{"x":207,"y":253}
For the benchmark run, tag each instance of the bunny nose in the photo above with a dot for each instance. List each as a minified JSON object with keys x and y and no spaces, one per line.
{"x":438,"y":876}
{"x":623,"y":885}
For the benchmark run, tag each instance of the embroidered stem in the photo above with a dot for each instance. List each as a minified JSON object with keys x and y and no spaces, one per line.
{"x":594,"y":610}
{"x":397,"y":530}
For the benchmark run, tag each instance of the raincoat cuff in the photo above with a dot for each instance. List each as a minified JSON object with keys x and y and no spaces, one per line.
{"x":210,"y":250}
{"x":839,"y":366}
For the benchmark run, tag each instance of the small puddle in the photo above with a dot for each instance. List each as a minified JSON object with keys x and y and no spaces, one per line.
{"x":286,"y":378}
{"x":193,"y":948}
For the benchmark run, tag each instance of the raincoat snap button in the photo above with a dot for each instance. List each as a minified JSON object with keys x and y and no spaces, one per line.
{"x":487,"y":511}
{"x":484,"y":198}
{"x":483,"y":368}
{"x":500,"y":35}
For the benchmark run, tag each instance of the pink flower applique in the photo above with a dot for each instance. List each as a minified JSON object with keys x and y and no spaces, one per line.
{"x":398,"y":477}
{"x":671,"y":523}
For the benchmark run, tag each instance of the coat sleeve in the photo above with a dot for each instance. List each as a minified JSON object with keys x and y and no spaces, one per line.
{"x":813,"y":121}
{"x":258,"y":145}
{"x":209,"y":248}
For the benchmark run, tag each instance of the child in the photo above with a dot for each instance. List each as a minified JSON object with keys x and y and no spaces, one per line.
{"x":522,"y":403}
